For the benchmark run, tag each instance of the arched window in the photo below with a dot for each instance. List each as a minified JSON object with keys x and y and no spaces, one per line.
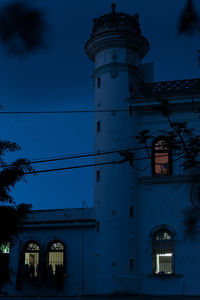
{"x":163,"y":251}
{"x":31,"y":258}
{"x":161,"y":157}
{"x":56,"y":252}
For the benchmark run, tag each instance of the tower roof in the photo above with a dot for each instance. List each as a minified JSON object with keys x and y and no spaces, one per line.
{"x":116,"y":21}
{"x":116,"y":30}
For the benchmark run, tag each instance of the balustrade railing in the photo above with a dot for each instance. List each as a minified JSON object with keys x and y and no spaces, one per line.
{"x":167,"y":88}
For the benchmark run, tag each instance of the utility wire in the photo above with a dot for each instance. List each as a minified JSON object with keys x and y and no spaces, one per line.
{"x":62,"y":111}
{"x":78,"y":156}
{"x":75,"y":167}
{"x":36,"y":161}
{"x":95,"y":164}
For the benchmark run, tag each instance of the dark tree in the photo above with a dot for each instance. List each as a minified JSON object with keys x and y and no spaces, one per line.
{"x":12,"y":216}
{"x":22,"y":28}
{"x":189,"y":22}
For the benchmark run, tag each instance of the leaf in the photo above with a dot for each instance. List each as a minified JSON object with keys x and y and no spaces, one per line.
{"x":189,"y":20}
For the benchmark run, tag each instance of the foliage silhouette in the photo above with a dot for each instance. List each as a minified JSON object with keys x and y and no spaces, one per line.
{"x":12,"y":216}
{"x":22,"y":28}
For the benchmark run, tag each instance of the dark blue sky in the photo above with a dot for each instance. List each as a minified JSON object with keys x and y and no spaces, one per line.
{"x":59,"y":78}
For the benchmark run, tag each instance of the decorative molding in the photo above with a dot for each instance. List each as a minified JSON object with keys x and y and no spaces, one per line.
{"x":116,"y":39}
{"x":165,"y":276}
{"x":150,"y":92}
{"x":114,"y":68}
{"x":176,"y":179}
{"x":115,"y":19}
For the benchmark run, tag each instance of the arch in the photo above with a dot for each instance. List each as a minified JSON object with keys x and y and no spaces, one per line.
{"x":161,"y":157}
{"x":56,"y":256}
{"x":31,"y":257}
{"x":163,"y":251}
{"x":55,"y":267}
{"x":163,"y":226}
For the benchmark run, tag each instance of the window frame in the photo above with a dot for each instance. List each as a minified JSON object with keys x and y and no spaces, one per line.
{"x":26,"y":250}
{"x":62,"y":250}
{"x":153,"y":156}
{"x":165,"y":249}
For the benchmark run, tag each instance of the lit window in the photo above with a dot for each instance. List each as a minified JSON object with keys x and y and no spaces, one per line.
{"x":4,"y":262}
{"x":31,"y":259}
{"x":56,"y":257}
{"x":5,"y":248}
{"x":161,"y":158}
{"x":163,"y":251}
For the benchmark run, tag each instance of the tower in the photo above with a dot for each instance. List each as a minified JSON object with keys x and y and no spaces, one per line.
{"x":116,"y":47}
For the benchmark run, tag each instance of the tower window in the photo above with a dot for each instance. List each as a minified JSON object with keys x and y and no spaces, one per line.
{"x":131,"y":211}
{"x":98,"y":175}
{"x":163,"y":252}
{"x":99,"y":82}
{"x":98,"y":126}
{"x":130,"y":110}
{"x":131,"y":264}
{"x":161,"y":158}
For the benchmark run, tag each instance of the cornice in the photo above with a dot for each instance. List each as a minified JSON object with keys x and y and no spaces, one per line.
{"x":174,"y":179}
{"x":116,"y":39}
{"x":114,"y":68}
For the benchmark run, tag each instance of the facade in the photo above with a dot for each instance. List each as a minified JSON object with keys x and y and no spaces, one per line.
{"x":132,"y":241}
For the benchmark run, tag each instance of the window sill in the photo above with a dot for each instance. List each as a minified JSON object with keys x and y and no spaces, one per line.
{"x":164,"y":276}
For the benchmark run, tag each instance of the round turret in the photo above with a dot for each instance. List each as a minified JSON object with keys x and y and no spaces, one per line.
{"x":116,"y":47}
{"x":116,"y":30}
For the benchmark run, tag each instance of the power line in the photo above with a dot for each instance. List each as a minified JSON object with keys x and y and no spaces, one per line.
{"x":67,"y":157}
{"x":94,"y":165}
{"x":63,"y":111}
{"x":80,"y":156}
{"x":75,"y":167}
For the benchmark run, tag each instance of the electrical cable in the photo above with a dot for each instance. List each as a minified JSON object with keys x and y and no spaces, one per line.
{"x":81,"y":155}
{"x":93,"y":165}
{"x":63,"y":111}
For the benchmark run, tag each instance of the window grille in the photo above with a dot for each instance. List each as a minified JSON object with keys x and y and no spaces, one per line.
{"x":56,"y":257}
{"x":31,"y":259}
{"x":161,"y":158}
{"x":163,"y":252}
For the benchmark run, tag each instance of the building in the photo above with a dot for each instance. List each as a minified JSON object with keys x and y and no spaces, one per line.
{"x":132,"y":241}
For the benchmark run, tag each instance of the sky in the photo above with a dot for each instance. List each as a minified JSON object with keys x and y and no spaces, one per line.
{"x":59,"y":77}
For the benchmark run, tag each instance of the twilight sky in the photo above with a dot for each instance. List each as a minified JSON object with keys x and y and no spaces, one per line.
{"x":59,"y":78}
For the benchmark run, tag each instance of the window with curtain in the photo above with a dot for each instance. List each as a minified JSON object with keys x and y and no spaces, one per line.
{"x":56,"y":257}
{"x":161,"y":157}
{"x":31,"y":259}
